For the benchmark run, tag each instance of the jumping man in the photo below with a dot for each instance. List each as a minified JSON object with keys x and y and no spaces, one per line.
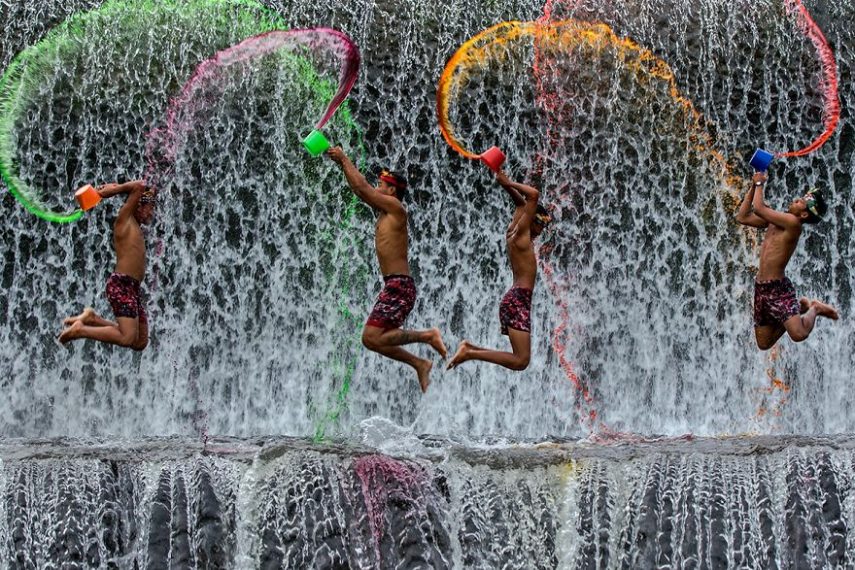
{"x":776,"y":308}
{"x":123,"y":285}
{"x":383,"y":333}
{"x":529,"y":220}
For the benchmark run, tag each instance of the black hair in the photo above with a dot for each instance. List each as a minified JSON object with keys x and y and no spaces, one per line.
{"x":402,"y":185}
{"x":821,"y":208}
{"x":542,"y":211}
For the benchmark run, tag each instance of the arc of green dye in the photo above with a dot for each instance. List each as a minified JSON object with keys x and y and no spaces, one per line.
{"x":168,"y":138}
{"x":15,"y":75}
{"x":8,"y":107}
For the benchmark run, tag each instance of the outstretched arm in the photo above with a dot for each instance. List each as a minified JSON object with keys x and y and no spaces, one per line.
{"x":769,"y":215}
{"x":745,"y":215}
{"x":360,"y":186}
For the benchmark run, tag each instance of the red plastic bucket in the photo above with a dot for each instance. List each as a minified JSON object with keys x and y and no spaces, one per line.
{"x":493,"y":157}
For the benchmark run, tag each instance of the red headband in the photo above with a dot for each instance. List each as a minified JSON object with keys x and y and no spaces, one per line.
{"x":393,"y":181}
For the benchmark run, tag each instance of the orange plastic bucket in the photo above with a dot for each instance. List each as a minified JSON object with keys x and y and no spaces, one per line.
{"x":493,"y":157}
{"x":87,"y":197}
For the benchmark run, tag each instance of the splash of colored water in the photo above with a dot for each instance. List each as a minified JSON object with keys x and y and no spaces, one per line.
{"x":281,"y":52}
{"x":581,"y":42}
{"x":186,"y":110}
{"x":473,"y":56}
{"x":75,"y":45}
{"x":383,"y":479}
{"x":828,"y":82}
{"x":828,"y":78}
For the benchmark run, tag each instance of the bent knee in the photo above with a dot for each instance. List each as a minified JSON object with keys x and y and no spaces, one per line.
{"x":521,"y":363}
{"x":799,"y":336}
{"x":140,"y":345}
{"x":370,"y":339}
{"x":765,"y":345}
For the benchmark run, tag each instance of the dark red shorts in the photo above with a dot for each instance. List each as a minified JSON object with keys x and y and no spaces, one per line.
{"x":395,"y":302}
{"x":515,"y":310}
{"x":774,"y":302}
{"x":123,"y":292}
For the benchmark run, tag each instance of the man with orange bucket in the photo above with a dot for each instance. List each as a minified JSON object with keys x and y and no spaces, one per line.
{"x":529,"y":220}
{"x":123,"y":286}
{"x":382,"y":332}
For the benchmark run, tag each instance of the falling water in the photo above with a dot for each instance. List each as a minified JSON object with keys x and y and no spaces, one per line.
{"x":261,"y":272}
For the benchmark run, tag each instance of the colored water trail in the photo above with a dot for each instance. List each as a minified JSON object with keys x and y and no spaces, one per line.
{"x":561,"y":50}
{"x":556,"y":10}
{"x":284,"y":67}
{"x":206,"y":85}
{"x":828,"y":79}
{"x":388,"y":484}
{"x":63,"y":74}
{"x":473,"y":56}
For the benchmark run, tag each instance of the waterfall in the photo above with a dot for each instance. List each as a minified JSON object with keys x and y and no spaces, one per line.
{"x":260,"y":333}
{"x":636,"y":122}
{"x":741,"y":502}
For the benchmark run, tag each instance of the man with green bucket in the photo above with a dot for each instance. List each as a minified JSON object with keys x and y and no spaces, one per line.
{"x":383,"y":333}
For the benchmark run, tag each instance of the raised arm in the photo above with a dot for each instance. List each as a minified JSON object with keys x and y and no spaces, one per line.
{"x":770,"y":215}
{"x":134,"y":189}
{"x":521,"y":194}
{"x":745,"y":215}
{"x":110,"y":190}
{"x":360,"y":186}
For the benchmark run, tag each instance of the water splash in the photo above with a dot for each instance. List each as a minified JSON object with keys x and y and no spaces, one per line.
{"x":828,"y":79}
{"x":208,"y":84}
{"x":561,"y":48}
{"x":75,"y":45}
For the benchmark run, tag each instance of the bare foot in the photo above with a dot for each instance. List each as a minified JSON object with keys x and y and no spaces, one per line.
{"x":423,"y":370}
{"x":824,"y":310}
{"x":804,"y":305}
{"x":71,"y":332}
{"x":85,"y":317}
{"x":436,"y":342}
{"x":460,"y":356}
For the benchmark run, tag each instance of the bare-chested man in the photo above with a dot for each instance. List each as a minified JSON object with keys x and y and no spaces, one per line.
{"x":529,"y":220}
{"x":383,"y":333}
{"x":776,"y":308}
{"x":123,"y":286}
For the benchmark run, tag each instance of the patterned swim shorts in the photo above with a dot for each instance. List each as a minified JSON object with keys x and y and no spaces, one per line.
{"x":774,"y":302}
{"x":515,"y":310}
{"x":395,"y":302}
{"x":123,"y":292}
